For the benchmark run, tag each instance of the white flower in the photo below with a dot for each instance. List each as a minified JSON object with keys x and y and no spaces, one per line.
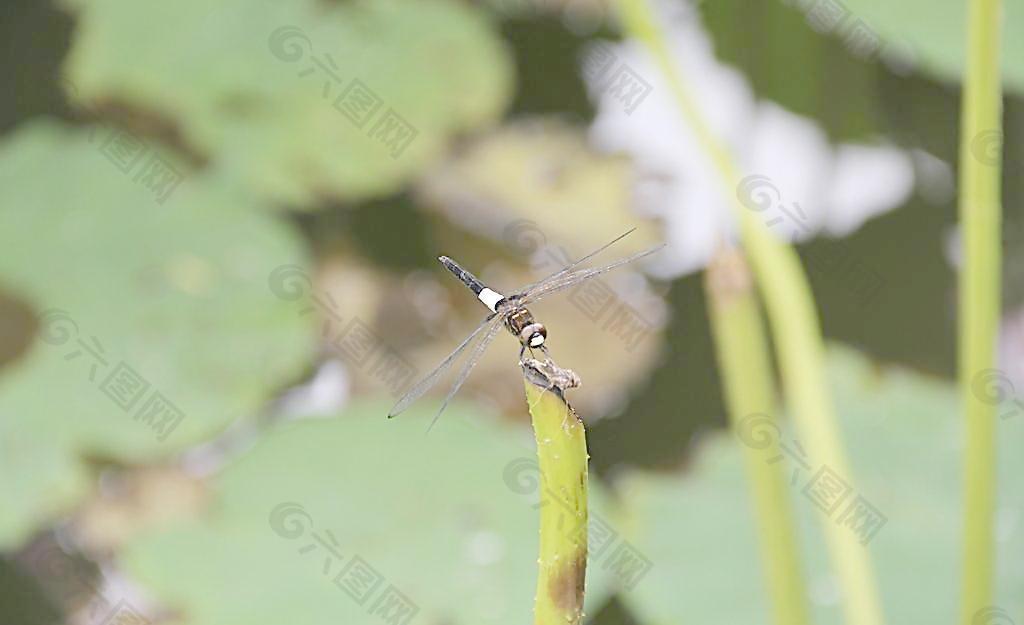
{"x":799,"y":184}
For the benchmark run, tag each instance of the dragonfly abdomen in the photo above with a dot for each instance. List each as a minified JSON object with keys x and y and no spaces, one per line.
{"x":490,"y":298}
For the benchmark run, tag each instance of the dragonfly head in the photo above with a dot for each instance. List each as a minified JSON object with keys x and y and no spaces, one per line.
{"x":533,"y":335}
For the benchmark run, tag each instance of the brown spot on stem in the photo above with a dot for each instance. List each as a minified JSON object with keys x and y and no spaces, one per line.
{"x":728,"y":276}
{"x":566,"y":584}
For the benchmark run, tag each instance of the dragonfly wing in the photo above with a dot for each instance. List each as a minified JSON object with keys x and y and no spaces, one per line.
{"x":572,"y":279}
{"x":577,"y":263}
{"x":474,"y":357}
{"x":428,"y":382}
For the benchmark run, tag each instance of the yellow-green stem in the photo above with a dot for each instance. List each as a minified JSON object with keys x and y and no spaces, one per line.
{"x":562,"y":456}
{"x":794,"y":324}
{"x":980,"y":127}
{"x":746,"y":373}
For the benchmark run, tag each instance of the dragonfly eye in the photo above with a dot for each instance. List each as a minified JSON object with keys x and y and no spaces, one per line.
{"x":534,"y":334}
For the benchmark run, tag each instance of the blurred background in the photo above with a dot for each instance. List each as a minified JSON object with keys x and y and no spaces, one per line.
{"x":220,"y":224}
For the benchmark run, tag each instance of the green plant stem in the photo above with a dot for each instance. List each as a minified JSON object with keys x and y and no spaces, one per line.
{"x":979,"y":293}
{"x":562,"y":457}
{"x":745,"y":364}
{"x":795,"y":327}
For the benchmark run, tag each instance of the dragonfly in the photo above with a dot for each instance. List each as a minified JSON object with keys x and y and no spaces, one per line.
{"x":509,"y":312}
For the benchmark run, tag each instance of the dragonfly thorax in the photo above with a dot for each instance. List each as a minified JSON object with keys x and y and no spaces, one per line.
{"x":521,"y":324}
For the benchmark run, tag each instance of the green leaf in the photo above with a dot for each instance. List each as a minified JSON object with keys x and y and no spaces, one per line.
{"x":448,"y":520}
{"x":829,"y":74}
{"x":904,"y":435}
{"x":936,"y":34}
{"x":227,"y":76}
{"x":174,"y":293}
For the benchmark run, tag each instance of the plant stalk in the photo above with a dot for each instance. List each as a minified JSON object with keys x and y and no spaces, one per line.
{"x":795,"y":328}
{"x":562,"y":458}
{"x":980,"y":214}
{"x":745,"y":364}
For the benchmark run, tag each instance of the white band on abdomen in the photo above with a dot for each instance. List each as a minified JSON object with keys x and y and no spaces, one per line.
{"x":490,"y":298}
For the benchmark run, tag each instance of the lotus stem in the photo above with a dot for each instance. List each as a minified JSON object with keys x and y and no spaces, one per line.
{"x":980,"y":214}
{"x":795,"y":327}
{"x":744,"y":361}
{"x":562,"y":458}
